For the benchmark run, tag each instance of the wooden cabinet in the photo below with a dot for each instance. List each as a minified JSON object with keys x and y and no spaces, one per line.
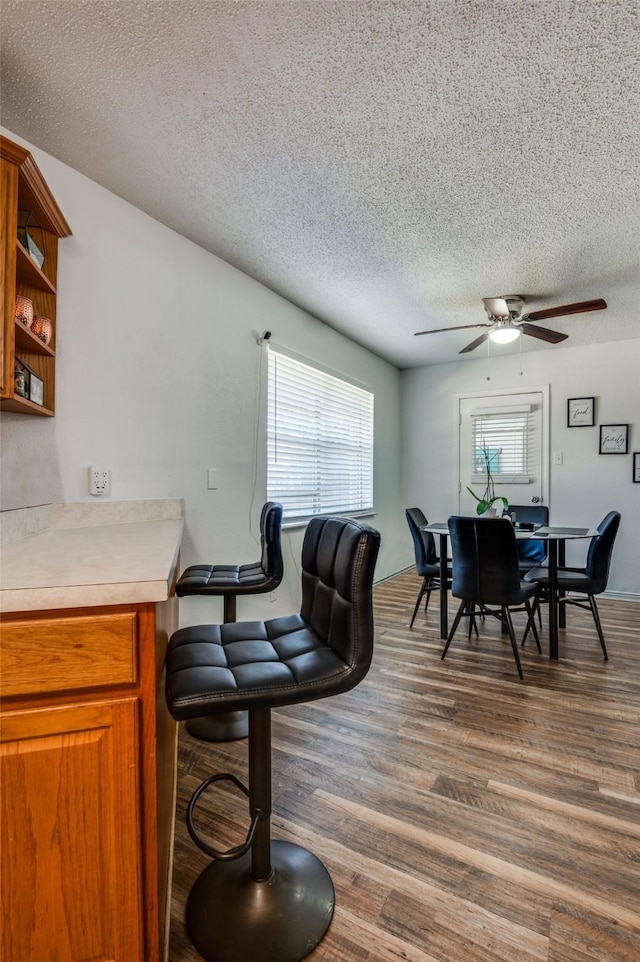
{"x":87,"y":753}
{"x":71,"y":862}
{"x":23,"y":190}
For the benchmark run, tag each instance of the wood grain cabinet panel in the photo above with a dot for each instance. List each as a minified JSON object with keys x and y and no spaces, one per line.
{"x":57,"y":654}
{"x":87,"y":752}
{"x":71,"y":862}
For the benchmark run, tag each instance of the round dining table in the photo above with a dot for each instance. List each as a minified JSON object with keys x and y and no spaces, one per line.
{"x":556,"y":537}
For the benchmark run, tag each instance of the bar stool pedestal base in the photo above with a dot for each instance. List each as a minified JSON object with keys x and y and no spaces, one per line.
{"x":231,"y":917}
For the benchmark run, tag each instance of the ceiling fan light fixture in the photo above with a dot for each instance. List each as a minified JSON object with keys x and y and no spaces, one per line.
{"x":504,"y":335}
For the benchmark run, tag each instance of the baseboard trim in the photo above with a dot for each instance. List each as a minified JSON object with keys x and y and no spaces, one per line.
{"x":620,"y":595}
{"x":394,"y":574}
{"x":611,"y":595}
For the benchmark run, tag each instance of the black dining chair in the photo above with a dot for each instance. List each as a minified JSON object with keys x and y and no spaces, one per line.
{"x":531,"y":553}
{"x":427,"y":560}
{"x":486,"y":576}
{"x":590,"y":580}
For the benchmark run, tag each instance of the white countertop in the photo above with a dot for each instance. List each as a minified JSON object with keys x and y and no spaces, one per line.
{"x":124,"y":552}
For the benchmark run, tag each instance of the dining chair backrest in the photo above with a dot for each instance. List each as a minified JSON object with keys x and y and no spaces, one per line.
{"x":485,"y":559}
{"x":600,"y":551}
{"x":424,"y":544}
{"x":531,"y":551}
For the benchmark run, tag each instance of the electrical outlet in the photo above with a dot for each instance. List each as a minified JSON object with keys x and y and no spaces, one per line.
{"x":99,"y":480}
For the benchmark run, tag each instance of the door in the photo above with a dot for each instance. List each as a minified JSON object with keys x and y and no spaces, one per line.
{"x":71,"y":843}
{"x":513,"y":428}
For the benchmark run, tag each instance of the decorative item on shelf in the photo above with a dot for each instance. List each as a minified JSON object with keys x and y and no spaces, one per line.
{"x":42,"y":328}
{"x":33,"y":385}
{"x":489,"y":505}
{"x":21,"y":386}
{"x":29,"y":234}
{"x":24,"y":310}
{"x":36,"y":389}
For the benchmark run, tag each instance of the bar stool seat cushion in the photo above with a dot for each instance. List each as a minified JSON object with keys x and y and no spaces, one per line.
{"x":277,"y":662}
{"x":222,"y":579}
{"x":272,"y":900}
{"x":324,"y":649}
{"x":256,"y":577}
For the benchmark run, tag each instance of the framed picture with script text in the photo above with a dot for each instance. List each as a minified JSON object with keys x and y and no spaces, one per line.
{"x":614,"y":438}
{"x":581,"y":412}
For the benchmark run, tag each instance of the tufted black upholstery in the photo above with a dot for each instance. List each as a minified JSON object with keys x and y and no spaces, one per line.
{"x":427,"y":560}
{"x":325,"y":649}
{"x":248,"y":579}
{"x":229,"y":581}
{"x":486,"y":572}
{"x":264,"y":900}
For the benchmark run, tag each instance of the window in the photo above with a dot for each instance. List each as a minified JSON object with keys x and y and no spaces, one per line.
{"x":504,"y":434}
{"x":319,"y":441}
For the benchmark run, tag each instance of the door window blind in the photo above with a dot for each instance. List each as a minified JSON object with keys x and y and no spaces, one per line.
{"x":505,"y":434}
{"x":319,"y":441}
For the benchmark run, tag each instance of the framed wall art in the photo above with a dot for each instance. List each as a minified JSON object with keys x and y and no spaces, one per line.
{"x":36,"y":389}
{"x":636,"y":467}
{"x":581,"y":412}
{"x":614,"y":438}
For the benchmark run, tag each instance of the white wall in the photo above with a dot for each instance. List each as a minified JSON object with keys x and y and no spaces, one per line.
{"x":585,"y":486}
{"x":159,"y":378}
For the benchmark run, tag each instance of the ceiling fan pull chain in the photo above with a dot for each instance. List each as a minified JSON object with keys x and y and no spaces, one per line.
{"x":521,"y":371}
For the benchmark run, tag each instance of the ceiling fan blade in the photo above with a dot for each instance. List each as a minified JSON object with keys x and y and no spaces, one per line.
{"x":474,"y":344}
{"x":462,"y":327}
{"x":553,"y":337}
{"x":496,"y":306}
{"x":580,"y":308}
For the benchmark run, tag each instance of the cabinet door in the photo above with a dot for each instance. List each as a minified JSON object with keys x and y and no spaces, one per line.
{"x":71,"y":876}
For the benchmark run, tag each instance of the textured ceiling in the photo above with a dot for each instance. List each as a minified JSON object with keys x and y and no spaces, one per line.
{"x":384,"y":165}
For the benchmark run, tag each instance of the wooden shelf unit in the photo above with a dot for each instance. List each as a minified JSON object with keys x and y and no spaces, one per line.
{"x":22,"y":187}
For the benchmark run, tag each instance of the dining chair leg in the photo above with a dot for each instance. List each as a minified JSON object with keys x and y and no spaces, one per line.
{"x":535,"y":608}
{"x":429,"y":590}
{"x":420,"y":596}
{"x":506,"y":616}
{"x":531,"y":623}
{"x":596,"y":618}
{"x":473,"y":625}
{"x":454,"y":627}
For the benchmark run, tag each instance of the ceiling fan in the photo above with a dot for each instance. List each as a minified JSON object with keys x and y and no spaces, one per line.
{"x":507,"y":321}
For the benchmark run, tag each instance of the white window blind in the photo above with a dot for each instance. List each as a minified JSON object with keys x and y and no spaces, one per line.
{"x":505,"y":434}
{"x":319,"y":441}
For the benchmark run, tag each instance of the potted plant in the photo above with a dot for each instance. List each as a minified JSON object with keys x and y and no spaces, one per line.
{"x":486,"y":503}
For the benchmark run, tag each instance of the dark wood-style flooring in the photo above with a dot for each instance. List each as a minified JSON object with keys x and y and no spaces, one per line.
{"x":464,"y":816}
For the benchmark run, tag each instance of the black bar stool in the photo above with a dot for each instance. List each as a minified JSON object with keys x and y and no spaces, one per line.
{"x":229,"y":581}
{"x":264,"y":900}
